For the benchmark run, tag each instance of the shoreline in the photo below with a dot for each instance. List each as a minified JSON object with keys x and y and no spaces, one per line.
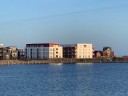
{"x":59,"y":61}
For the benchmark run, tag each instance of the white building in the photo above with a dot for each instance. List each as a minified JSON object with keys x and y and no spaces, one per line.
{"x":43,"y":51}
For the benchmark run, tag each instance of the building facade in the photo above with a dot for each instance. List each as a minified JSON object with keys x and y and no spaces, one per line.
{"x":21,"y":54}
{"x":1,"y":52}
{"x":11,"y":52}
{"x":78,"y":51}
{"x":8,"y":53}
{"x":69,"y":51}
{"x":107,"y":52}
{"x":98,"y":54}
{"x":43,"y":51}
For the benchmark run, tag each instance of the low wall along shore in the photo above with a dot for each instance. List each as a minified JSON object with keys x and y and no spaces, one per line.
{"x":49,"y":61}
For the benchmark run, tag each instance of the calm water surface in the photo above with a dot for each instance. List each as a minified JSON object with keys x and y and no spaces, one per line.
{"x":64,"y":80}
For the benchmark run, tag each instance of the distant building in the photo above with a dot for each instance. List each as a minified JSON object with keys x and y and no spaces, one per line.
{"x":43,"y":51}
{"x":78,"y":51}
{"x":7,"y":53}
{"x":21,"y":54}
{"x":107,"y":52}
{"x":11,"y":52}
{"x":1,"y":51}
{"x":98,"y":54}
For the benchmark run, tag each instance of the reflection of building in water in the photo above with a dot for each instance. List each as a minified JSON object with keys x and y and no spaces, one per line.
{"x":77,"y":51}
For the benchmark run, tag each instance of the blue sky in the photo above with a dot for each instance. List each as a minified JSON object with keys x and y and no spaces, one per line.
{"x":100,"y":22}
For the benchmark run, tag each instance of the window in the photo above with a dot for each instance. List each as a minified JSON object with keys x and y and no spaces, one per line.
{"x":84,"y":45}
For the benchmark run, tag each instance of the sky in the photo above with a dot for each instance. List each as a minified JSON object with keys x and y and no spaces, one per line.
{"x":100,"y":22}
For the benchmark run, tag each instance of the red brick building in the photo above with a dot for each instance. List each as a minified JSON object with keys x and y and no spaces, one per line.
{"x":107,"y":52}
{"x":98,"y":54}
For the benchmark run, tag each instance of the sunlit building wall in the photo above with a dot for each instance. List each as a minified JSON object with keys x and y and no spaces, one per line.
{"x":43,"y":51}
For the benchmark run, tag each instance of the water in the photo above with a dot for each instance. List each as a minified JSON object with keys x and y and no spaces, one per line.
{"x":64,"y":80}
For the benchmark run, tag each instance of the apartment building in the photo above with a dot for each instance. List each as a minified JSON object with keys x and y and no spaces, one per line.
{"x":78,"y":51}
{"x":69,"y":51}
{"x":11,"y":52}
{"x":43,"y":51}
{"x":7,"y":53}
{"x":21,"y":53}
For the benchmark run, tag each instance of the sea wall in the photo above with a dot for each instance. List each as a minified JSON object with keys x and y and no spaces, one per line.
{"x":47,"y":61}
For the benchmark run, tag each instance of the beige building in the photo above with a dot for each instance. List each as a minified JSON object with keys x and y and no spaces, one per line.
{"x":79,"y":51}
{"x":84,"y":51}
{"x":43,"y":51}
